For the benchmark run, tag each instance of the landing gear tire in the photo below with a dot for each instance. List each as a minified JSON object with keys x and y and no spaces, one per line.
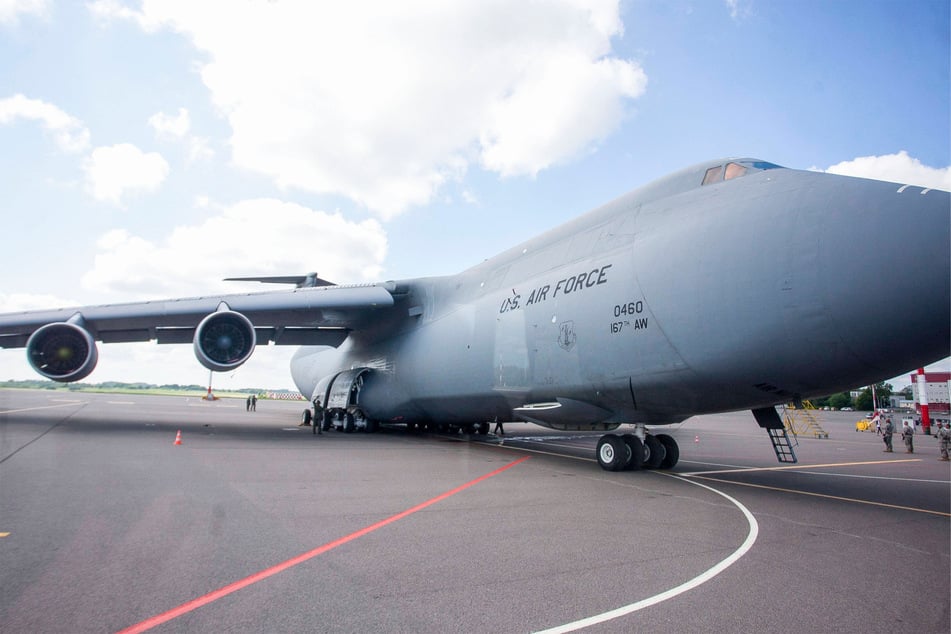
{"x":484,"y":429}
{"x":326,"y":423}
{"x":348,"y":424}
{"x":372,"y":426}
{"x":655,"y":453}
{"x":637,"y":452}
{"x":338,"y":420}
{"x":613,"y":453}
{"x":673,"y":451}
{"x":305,"y":418}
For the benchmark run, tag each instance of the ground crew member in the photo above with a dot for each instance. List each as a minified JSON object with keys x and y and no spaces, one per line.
{"x":908,"y":435}
{"x":887,"y":435}
{"x":944,"y":437}
{"x":318,"y":417}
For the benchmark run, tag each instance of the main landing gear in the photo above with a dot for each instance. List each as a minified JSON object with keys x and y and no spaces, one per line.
{"x":630,"y":452}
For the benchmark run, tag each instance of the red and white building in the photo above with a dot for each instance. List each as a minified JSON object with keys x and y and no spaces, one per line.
{"x":937,"y":393}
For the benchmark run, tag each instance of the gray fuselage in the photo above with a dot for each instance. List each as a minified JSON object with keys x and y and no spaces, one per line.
{"x":673,"y":300}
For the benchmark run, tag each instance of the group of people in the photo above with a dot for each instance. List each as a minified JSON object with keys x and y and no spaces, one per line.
{"x":943,"y":435}
{"x":251,"y":404}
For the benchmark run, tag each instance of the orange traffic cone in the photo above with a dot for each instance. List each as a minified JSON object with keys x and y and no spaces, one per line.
{"x":178,"y":438}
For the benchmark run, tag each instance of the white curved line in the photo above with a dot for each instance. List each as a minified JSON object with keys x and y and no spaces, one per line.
{"x":684,"y":587}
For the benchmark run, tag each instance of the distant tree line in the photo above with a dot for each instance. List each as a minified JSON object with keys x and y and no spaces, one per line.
{"x":40,"y":384}
{"x":864,"y":399}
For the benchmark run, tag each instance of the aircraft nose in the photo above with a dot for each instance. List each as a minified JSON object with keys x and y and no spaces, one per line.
{"x":885,"y":272}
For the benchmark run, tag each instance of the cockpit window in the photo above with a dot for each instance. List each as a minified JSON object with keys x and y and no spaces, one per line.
{"x":713,"y":175}
{"x":735,"y":169}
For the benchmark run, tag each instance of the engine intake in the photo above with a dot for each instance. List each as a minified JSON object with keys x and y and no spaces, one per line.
{"x":224,"y":340}
{"x":62,"y":352}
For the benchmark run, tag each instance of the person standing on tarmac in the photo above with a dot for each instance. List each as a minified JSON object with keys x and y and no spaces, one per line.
{"x":254,"y":403}
{"x":318,"y":417}
{"x":944,"y":437}
{"x":908,"y":435}
{"x":887,"y":435}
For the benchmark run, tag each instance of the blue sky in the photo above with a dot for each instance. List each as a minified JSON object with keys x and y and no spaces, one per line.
{"x":149,"y":149}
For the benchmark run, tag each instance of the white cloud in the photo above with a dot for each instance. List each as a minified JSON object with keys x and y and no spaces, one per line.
{"x":176,"y":128}
{"x":199,"y":149}
{"x":68,"y":132}
{"x":266,"y":236}
{"x":11,"y":10}
{"x":536,"y":125}
{"x":897,"y":168}
{"x":168,"y":126}
{"x":16,"y":302}
{"x":384,"y":102}
{"x":115,"y":170}
{"x":739,"y":9}
{"x":107,"y":10}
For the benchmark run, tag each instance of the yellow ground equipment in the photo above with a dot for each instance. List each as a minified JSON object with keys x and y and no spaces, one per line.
{"x":802,"y":420}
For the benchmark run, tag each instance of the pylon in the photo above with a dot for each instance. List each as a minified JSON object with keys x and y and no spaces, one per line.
{"x":696,"y":438}
{"x":178,"y":438}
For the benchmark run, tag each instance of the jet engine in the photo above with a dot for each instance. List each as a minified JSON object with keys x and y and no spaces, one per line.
{"x":62,"y":352}
{"x":224,"y":340}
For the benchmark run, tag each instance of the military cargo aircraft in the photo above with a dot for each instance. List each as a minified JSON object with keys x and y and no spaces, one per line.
{"x":734,"y":284}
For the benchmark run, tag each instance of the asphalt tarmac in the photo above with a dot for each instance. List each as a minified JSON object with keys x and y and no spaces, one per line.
{"x":254,"y":524}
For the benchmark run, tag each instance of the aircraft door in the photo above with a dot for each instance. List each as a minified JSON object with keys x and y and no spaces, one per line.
{"x":510,"y":357}
{"x":345,"y":390}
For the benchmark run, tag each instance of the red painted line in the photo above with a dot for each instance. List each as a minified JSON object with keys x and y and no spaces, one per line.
{"x":194,"y":604}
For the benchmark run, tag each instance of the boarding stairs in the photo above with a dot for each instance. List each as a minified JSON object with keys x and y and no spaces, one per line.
{"x":781,"y":445}
{"x":768,"y":418}
{"x":802,"y":420}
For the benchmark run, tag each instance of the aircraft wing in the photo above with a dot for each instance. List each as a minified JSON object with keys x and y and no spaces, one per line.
{"x":289,"y":317}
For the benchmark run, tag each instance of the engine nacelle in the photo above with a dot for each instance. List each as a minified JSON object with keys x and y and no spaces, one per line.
{"x":62,"y":352}
{"x":224,"y":340}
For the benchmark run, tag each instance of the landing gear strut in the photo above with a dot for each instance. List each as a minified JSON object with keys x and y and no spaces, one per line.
{"x":638,"y":450}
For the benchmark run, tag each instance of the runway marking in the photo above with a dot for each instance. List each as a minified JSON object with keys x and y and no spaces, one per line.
{"x":684,"y":587}
{"x":33,"y":409}
{"x":869,"y":477}
{"x":502,"y":445}
{"x":797,"y":467}
{"x":194,"y":604}
{"x":823,"y":495}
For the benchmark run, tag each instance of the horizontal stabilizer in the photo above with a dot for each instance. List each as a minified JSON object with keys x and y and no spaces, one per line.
{"x":300,"y":281}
